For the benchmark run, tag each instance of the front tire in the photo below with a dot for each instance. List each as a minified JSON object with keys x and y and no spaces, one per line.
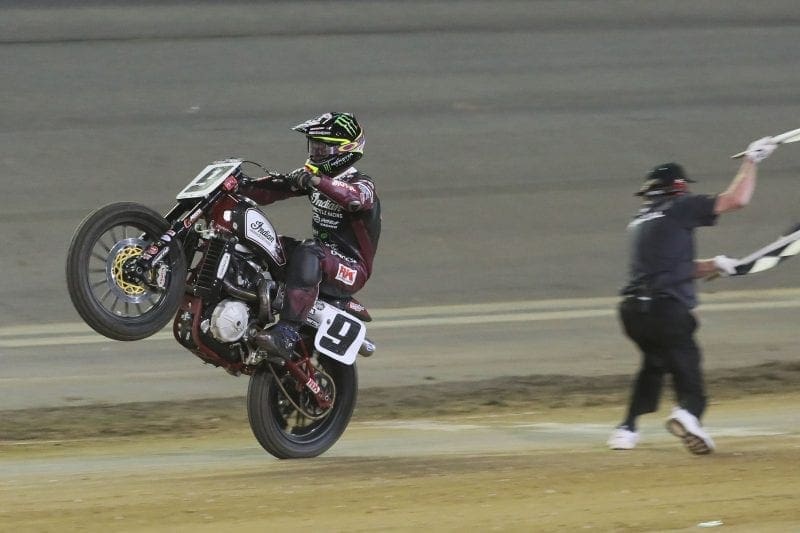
{"x":102,"y":244}
{"x":284,"y":431}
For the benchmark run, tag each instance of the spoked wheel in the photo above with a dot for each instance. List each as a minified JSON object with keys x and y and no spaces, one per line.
{"x":287,"y":421}
{"x":112,"y":302}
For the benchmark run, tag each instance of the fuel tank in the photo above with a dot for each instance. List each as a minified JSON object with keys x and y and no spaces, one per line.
{"x":254,"y":228}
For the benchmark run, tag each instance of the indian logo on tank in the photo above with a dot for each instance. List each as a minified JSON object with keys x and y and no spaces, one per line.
{"x":259,"y":231}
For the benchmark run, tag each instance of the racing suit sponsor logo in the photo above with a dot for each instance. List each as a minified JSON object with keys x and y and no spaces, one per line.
{"x":340,"y":255}
{"x":320,"y":201}
{"x":325,"y":212}
{"x":342,"y":184}
{"x":346,"y":275}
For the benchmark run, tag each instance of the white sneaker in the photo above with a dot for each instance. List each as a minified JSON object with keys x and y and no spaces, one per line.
{"x":686,"y":427}
{"x":622,"y":439}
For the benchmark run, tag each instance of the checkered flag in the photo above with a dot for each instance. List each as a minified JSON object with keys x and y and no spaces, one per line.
{"x":787,"y":245}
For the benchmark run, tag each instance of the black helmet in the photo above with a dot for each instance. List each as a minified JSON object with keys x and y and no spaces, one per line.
{"x":664,"y":179}
{"x":335,"y":142}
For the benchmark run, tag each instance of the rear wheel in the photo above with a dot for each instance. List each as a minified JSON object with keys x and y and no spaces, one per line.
{"x":111,"y":302}
{"x":287,"y":422}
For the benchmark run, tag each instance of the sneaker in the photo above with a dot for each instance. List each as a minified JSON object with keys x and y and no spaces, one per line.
{"x":279,"y":339}
{"x":686,"y":427}
{"x":623,"y":439}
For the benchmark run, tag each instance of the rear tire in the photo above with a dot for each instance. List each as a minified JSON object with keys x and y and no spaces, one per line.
{"x":282,"y":430}
{"x":112,"y":306}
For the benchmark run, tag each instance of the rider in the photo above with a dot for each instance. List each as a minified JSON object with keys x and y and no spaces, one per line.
{"x":346,"y":223}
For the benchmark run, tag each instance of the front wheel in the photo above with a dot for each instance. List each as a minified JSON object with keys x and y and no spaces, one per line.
{"x":285,"y":419}
{"x":111,"y":303}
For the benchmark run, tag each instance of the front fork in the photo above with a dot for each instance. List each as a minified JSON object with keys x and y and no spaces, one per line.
{"x":142,"y":270}
{"x":137,"y":269}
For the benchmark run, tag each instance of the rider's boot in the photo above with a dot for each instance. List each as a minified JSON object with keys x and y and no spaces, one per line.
{"x":279,"y":339}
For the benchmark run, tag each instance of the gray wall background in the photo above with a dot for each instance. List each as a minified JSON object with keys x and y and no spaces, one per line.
{"x":506,"y":137}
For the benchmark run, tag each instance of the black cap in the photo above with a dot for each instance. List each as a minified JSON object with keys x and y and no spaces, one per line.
{"x":661,"y":180}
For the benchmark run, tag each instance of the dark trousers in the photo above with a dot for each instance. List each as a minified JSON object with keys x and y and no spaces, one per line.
{"x":663,"y":329}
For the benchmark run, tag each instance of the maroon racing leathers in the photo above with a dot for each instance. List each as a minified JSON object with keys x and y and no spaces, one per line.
{"x":346,"y":224}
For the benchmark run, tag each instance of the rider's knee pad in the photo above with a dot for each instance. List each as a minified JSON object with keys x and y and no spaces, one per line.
{"x":304,"y":266}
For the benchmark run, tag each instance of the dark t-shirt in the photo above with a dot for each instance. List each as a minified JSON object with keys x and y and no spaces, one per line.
{"x":663,"y":246}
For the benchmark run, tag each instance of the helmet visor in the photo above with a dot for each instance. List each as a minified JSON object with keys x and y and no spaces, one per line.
{"x":320,"y":151}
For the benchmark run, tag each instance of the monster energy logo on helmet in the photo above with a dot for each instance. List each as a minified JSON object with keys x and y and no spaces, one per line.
{"x":348,"y":124}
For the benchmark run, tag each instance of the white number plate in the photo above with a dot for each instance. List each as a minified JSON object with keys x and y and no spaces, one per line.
{"x":209,"y":179}
{"x":339,"y":334}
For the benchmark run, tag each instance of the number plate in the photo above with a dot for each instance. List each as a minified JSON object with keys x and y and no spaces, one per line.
{"x":209,"y":179}
{"x":339,"y":334}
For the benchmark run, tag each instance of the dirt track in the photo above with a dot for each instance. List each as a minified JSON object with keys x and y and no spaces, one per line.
{"x":486,"y":460}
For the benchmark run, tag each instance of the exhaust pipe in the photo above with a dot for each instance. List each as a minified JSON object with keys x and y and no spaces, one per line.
{"x":367,"y":348}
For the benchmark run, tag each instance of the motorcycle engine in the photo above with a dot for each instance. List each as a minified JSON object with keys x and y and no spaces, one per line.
{"x":229,"y":320}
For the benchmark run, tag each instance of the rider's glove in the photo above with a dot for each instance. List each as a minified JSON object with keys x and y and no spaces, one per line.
{"x":761,"y":149}
{"x":300,"y":178}
{"x":726,"y":266}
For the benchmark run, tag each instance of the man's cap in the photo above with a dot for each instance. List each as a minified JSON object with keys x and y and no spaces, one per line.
{"x":666,"y":178}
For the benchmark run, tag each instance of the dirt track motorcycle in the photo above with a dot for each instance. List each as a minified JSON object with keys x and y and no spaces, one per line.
{"x":212,"y":265}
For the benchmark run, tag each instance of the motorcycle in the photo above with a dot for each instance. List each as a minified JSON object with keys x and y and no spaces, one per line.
{"x":213,"y":265}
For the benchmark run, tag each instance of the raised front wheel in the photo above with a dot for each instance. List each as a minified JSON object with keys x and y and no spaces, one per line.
{"x":108,"y":298}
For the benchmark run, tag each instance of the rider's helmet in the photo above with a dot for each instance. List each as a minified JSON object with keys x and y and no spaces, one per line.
{"x":663,"y":180}
{"x":335,"y":142}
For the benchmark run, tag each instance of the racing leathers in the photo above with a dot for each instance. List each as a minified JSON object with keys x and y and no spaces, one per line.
{"x":346,"y":224}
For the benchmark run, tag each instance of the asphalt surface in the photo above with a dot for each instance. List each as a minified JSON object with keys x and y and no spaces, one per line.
{"x":505,"y":138}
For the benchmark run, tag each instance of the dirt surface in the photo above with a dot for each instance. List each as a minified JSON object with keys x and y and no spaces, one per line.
{"x":524,"y":454}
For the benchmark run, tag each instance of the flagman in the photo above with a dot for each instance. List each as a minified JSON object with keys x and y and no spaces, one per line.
{"x":657,"y":302}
